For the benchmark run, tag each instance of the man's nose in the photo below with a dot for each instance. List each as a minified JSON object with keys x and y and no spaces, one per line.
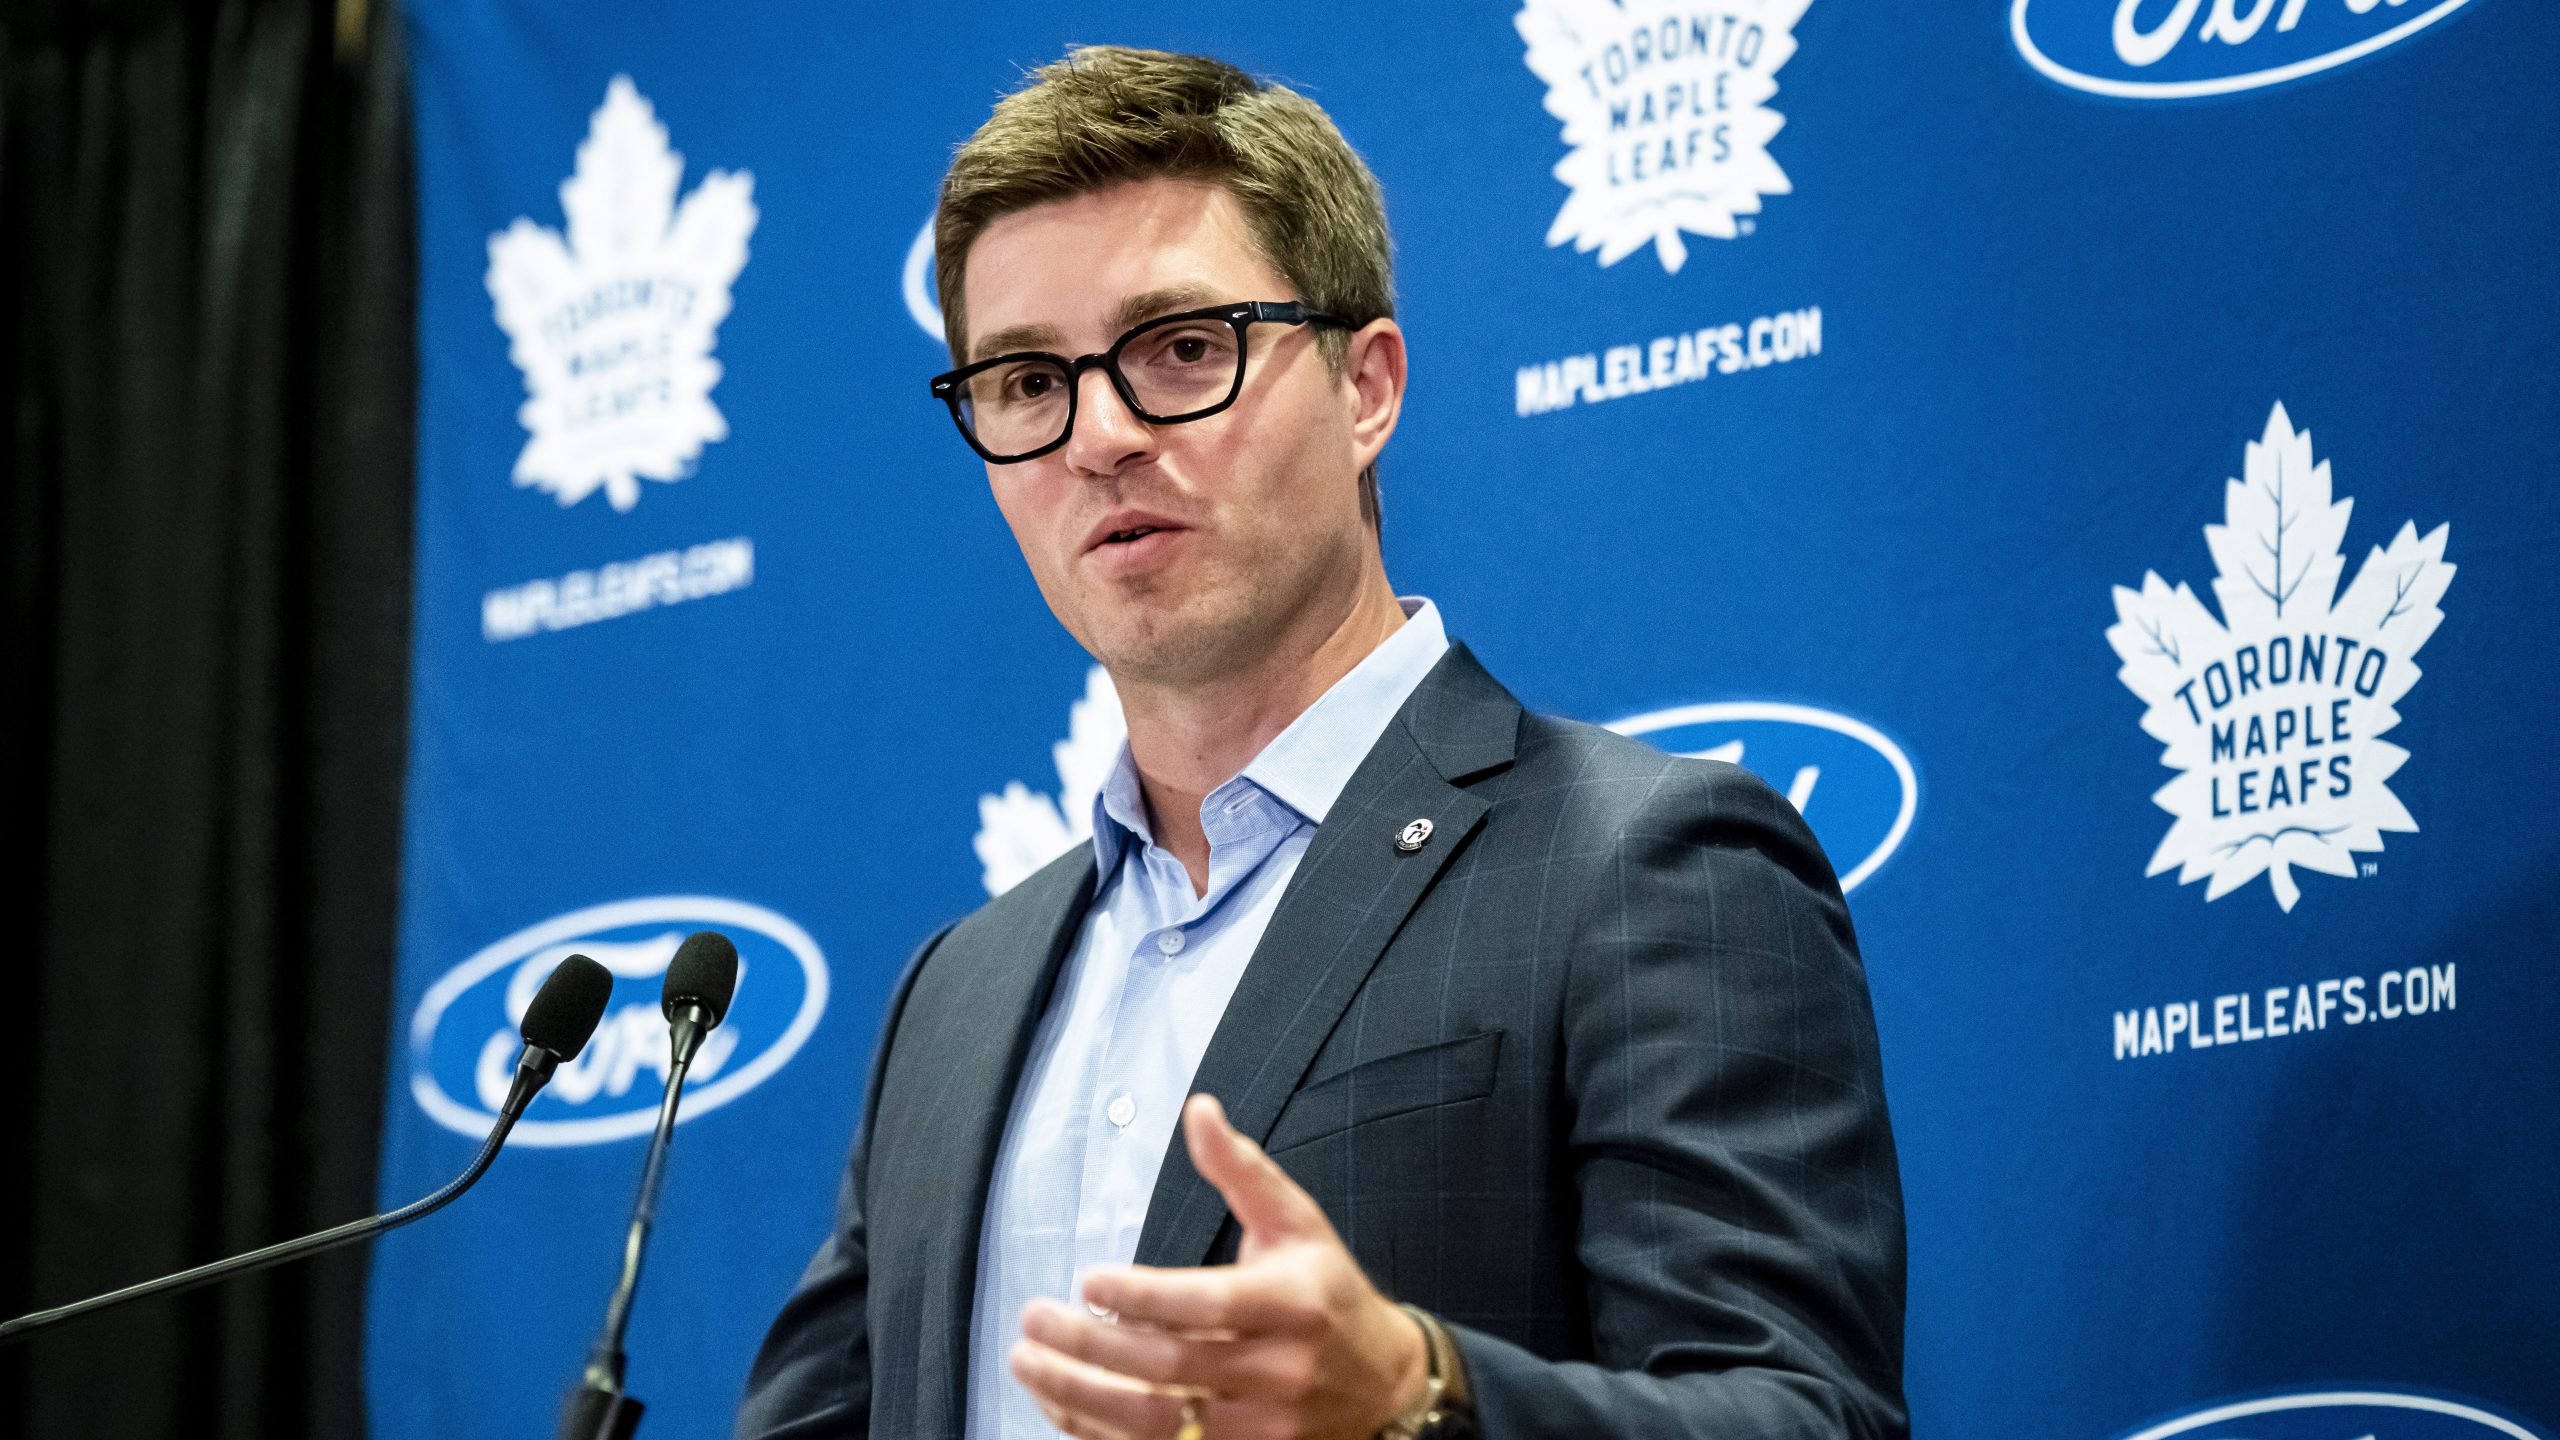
{"x":1108,"y":436}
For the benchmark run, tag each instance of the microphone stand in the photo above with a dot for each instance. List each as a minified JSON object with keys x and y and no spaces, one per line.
{"x":533,"y":1067}
{"x":600,"y":1409}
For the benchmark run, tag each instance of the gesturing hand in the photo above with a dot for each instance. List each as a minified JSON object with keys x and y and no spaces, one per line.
{"x":1291,"y":1342}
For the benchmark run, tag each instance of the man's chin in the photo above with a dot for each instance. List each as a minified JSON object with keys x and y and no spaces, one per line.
{"x":1185,"y":644}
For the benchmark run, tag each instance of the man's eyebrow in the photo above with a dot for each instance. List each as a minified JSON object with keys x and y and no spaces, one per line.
{"x":1163,"y":300}
{"x":1015,"y":337}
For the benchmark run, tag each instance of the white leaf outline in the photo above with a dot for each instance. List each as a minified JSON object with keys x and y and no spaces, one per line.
{"x":1565,"y":40}
{"x":625,"y":235}
{"x":1020,"y":829}
{"x":2278,"y":553}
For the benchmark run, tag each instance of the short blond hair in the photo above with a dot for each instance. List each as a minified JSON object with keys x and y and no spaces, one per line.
{"x":1107,"y":114}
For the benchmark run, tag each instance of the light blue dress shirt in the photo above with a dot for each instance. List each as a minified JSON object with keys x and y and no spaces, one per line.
{"x":1153,"y":968}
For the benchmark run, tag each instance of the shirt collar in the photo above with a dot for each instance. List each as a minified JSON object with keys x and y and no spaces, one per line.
{"x":1305,"y":766}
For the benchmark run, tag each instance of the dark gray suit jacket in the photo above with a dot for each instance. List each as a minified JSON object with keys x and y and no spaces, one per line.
{"x":1592,"y":1076}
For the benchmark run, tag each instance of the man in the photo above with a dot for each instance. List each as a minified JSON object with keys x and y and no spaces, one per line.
{"x":1560,"y":1042}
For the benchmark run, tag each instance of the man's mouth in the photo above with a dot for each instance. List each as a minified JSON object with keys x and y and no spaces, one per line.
{"x":1131,"y":536}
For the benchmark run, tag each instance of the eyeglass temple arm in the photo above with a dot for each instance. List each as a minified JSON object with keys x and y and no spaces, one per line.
{"x":1292,"y":312}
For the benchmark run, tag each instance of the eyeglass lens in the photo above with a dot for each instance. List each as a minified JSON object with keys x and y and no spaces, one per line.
{"x":1171,"y":370}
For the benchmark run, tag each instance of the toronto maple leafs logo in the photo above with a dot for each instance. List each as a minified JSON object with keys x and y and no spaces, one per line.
{"x":613,"y":325}
{"x":2273,"y":716}
{"x":1022,"y":829}
{"x":1666,"y":108}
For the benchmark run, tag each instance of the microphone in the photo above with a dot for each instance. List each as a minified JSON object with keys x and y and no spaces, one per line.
{"x":557,"y":1023}
{"x":700,"y":981}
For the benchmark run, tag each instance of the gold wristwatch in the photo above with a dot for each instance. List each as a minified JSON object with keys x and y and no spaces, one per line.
{"x":1446,"y":1409}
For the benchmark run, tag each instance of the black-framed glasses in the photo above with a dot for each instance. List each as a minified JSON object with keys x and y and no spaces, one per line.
{"x":1171,"y":369}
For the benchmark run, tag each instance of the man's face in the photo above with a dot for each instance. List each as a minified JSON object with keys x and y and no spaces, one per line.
{"x":1254,"y":512}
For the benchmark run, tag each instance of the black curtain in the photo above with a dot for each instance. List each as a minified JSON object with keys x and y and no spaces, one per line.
{"x":206,"y":233}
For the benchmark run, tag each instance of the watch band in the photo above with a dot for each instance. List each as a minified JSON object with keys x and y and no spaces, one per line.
{"x":1447,"y":1410}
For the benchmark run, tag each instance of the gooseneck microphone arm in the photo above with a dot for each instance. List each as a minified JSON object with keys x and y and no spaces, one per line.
{"x":256,"y":1260}
{"x":700,"y":981}
{"x":605,"y":1361}
{"x":557,"y":1024}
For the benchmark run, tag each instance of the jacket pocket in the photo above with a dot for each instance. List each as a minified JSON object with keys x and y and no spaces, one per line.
{"x":1444,"y":1072}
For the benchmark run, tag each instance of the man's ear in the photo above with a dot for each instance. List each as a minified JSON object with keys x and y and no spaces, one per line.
{"x":1373,"y":364}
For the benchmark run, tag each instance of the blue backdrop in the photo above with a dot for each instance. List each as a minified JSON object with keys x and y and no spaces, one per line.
{"x":2040,"y":436}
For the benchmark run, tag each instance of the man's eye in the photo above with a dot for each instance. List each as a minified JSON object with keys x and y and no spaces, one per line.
{"x":1031,"y":384}
{"x":1183,"y":349}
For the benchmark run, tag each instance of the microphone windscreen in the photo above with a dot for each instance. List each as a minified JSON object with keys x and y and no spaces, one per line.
{"x":565,"y":1010}
{"x":705,"y":972}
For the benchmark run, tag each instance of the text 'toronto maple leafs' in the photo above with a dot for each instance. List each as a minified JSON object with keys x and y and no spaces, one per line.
{"x":2273,"y":715}
{"x":613,"y":324}
{"x":1665,"y":107}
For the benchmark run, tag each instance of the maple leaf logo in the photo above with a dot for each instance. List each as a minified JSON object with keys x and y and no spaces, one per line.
{"x":1666,"y":108}
{"x":613,"y":326}
{"x":1020,"y":829}
{"x":2273,"y":715}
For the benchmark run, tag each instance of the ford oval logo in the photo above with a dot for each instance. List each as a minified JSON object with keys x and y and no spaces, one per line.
{"x":2332,"y":1414}
{"x":463,"y":1039}
{"x":2181,"y":49}
{"x":1852,"y":785}
{"x":915,"y":283}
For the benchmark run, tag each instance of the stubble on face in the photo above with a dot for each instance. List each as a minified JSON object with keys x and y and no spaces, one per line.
{"x":1261,"y":574}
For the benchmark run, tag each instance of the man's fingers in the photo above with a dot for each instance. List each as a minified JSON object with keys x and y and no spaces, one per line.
{"x":1265,"y":1201}
{"x":1074,"y":1427}
{"x":1101,"y":1403}
{"x":1233,"y":1300}
{"x":1160,"y":1357}
{"x":1184,"y":1361}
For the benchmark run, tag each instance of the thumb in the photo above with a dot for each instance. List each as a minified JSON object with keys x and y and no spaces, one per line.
{"x":1265,"y":1201}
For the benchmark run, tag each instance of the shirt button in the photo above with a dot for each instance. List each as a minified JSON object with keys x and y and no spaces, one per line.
{"x":1170,"y":942}
{"x":1122,"y":1111}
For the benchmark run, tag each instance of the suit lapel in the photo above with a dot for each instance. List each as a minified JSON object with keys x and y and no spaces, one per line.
{"x":986,"y":1007}
{"x":1351,"y":893}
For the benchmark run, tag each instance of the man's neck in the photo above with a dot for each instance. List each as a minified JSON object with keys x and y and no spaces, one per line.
{"x":1187,"y":741}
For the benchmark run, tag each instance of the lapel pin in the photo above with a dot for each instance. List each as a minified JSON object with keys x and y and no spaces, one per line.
{"x":1411,"y":837}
